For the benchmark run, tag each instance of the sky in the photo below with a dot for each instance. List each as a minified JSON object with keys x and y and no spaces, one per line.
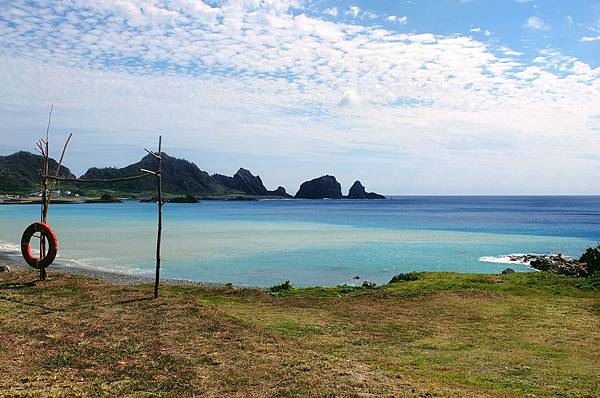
{"x":421,"y":97}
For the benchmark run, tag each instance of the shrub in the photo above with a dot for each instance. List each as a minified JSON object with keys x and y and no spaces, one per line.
{"x":411,"y":276}
{"x":107,"y":198}
{"x":282,"y":287}
{"x":369,"y":285}
{"x":592,"y":258}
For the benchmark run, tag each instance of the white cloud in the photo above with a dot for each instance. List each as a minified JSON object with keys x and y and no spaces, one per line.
{"x":536,"y":23}
{"x":350,"y":99}
{"x":353,"y":11}
{"x":250,"y":77}
{"x":569,"y":19}
{"x":401,"y":20}
{"x":590,"y":38}
{"x":333,"y":11}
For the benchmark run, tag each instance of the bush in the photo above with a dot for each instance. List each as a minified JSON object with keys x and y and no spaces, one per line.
{"x":282,"y":287}
{"x":405,"y":277}
{"x":592,"y":258}
{"x":369,"y":285}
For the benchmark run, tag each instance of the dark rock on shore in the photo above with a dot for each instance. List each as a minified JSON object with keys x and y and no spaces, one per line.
{"x":508,"y":271}
{"x":325,"y":187}
{"x":560,"y":265}
{"x":554,"y":263}
{"x":358,"y":191}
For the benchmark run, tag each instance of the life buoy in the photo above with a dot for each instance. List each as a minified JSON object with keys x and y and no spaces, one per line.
{"x":45,"y":232}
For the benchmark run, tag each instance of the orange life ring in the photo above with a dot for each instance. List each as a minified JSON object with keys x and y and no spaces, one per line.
{"x":46,"y":232}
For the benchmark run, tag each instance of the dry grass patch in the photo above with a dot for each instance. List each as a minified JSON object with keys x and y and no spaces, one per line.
{"x":440,"y":335}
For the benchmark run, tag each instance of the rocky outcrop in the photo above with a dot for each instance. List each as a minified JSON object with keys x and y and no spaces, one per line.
{"x":280,"y":191}
{"x":553,"y":263}
{"x":325,"y":187}
{"x":244,"y":181}
{"x":358,"y":191}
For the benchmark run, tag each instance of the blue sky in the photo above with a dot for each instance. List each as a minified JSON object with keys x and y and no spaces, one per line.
{"x":411,"y":97}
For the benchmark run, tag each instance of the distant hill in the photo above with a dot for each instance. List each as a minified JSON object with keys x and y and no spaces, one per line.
{"x":20,"y":172}
{"x":245,"y":181}
{"x":180,"y":177}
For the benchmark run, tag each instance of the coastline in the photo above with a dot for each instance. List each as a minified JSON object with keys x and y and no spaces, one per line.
{"x":113,"y":278}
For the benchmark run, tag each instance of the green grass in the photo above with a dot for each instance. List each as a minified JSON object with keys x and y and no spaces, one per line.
{"x":444,"y":334}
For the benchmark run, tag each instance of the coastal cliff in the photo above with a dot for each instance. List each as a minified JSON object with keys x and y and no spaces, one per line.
{"x":244,"y":181}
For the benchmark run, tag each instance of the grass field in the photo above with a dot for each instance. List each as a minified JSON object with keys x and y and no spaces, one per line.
{"x":531,"y":335}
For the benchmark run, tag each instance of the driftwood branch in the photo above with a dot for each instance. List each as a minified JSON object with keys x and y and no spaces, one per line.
{"x":157,"y":156}
{"x":62,"y":156}
{"x":154,"y":173}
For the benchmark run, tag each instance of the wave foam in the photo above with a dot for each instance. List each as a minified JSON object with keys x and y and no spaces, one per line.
{"x":501,"y":260}
{"x":515,"y":258}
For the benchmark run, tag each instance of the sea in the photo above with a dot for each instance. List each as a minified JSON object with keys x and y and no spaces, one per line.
{"x":313,"y":242}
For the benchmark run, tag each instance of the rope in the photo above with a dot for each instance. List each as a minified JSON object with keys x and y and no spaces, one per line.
{"x":97,"y":179}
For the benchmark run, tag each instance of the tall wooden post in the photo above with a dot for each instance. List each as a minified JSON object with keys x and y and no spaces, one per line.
{"x":160,"y":205}
{"x":45,"y":198}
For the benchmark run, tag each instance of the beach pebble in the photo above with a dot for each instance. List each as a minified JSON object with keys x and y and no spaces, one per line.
{"x":4,"y":268}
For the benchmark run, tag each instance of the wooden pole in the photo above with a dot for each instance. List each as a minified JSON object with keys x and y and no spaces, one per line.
{"x":160,"y":205}
{"x":45,"y":197}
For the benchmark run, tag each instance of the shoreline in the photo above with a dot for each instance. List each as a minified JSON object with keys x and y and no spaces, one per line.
{"x":114,"y":278}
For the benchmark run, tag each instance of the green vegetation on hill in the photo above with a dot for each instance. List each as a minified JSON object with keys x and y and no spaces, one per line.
{"x":439,"y":334}
{"x":179,"y":177}
{"x":20,"y":172}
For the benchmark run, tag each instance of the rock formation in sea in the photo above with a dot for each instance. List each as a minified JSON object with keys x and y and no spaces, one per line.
{"x":280,"y":191}
{"x":357,"y":191}
{"x":325,"y":187}
{"x":244,"y":181}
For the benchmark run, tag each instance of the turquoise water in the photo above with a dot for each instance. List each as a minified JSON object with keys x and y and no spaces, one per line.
{"x":314,"y":242}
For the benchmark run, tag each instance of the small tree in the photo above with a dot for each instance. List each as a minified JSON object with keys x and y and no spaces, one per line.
{"x":592,"y":258}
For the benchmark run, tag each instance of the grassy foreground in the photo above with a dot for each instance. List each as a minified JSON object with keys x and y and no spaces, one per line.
{"x":442,"y":335}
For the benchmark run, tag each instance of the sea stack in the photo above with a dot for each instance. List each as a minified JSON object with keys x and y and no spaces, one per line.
{"x":280,"y":191}
{"x":325,"y":187}
{"x":358,"y":191}
{"x":244,"y":181}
